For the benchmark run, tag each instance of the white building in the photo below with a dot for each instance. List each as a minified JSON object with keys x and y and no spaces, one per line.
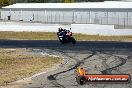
{"x":114,"y":12}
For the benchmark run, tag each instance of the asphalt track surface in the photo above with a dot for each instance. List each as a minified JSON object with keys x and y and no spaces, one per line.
{"x":97,"y":57}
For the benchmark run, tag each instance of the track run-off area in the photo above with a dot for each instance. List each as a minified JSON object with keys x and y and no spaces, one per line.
{"x":97,"y":57}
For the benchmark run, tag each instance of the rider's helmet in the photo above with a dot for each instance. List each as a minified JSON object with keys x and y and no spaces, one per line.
{"x":59,"y":29}
{"x":64,"y":30}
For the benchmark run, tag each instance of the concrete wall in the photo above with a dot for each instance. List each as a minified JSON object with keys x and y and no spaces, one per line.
{"x":115,"y":17}
{"x":90,"y":29}
{"x":93,"y":29}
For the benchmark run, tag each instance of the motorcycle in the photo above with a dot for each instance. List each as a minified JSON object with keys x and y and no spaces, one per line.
{"x":66,"y":37}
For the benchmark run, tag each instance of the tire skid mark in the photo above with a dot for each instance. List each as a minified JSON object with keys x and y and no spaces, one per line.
{"x":129,"y":56}
{"x":52,"y":78}
{"x":106,"y":66}
{"x":109,"y":70}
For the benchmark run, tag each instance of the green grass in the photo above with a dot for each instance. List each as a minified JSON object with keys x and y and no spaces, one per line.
{"x":53,"y":36}
{"x":28,"y":35}
{"x":83,"y":37}
{"x":19,"y":63}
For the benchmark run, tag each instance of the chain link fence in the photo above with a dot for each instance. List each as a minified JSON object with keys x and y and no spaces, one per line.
{"x":120,"y":19}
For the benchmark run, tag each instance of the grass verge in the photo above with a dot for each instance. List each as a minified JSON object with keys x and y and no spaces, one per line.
{"x":16,"y":64}
{"x":83,"y":37}
{"x":53,"y":36}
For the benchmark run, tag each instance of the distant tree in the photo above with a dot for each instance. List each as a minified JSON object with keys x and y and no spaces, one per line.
{"x":53,"y":1}
{"x":38,"y":1}
{"x":26,"y":1}
{"x":89,"y":0}
{"x":5,"y":2}
{"x":68,"y":1}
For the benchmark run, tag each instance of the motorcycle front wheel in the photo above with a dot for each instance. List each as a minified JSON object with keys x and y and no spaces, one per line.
{"x":62,"y":42}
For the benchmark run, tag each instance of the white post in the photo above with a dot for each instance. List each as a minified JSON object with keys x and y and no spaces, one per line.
{"x":21,"y":15}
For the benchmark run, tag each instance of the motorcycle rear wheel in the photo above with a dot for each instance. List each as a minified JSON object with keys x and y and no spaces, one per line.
{"x":73,"y":40}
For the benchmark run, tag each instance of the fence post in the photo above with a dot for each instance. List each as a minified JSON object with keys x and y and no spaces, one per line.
{"x":107,"y":18}
{"x":124,"y":20}
{"x":63,"y":18}
{"x":72,"y":16}
{"x":127,"y":19}
{"x":59,"y":17}
{"x":55,"y":17}
{"x":50,"y":17}
{"x":118,"y":20}
{"x":89,"y":17}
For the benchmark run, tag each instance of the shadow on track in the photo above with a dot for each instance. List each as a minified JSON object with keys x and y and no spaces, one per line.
{"x":54,"y":44}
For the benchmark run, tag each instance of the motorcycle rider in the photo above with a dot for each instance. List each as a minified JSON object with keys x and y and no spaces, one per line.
{"x":65,"y":36}
{"x":63,"y":30}
{"x":60,"y":30}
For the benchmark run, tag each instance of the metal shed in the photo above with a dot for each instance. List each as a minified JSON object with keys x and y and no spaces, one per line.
{"x":110,"y":12}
